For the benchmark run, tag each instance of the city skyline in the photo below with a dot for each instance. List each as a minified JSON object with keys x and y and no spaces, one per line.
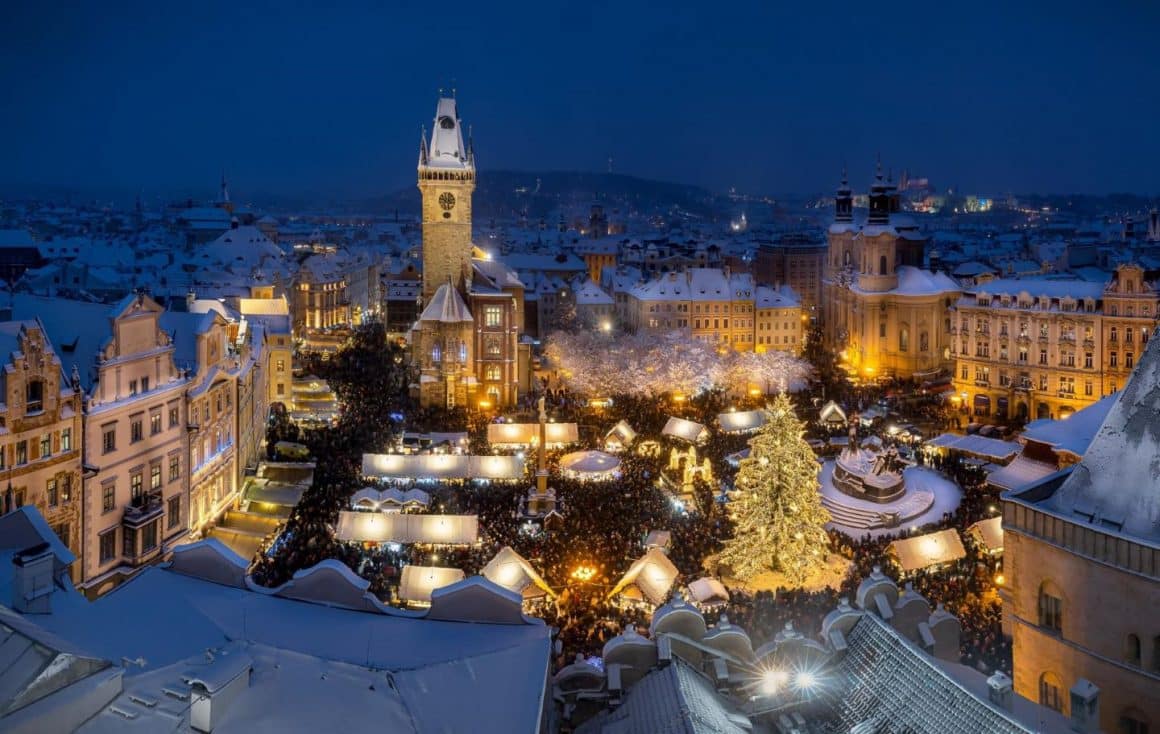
{"x":763,"y":100}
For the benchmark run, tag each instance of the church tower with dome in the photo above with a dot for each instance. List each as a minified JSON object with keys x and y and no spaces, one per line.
{"x":465,"y":343}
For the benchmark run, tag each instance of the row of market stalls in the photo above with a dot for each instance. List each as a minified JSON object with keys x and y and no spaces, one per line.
{"x":441,"y":467}
{"x":943,"y":547}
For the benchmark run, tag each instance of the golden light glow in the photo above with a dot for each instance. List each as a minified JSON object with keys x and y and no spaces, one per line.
{"x":999,"y":580}
{"x":584,"y":573}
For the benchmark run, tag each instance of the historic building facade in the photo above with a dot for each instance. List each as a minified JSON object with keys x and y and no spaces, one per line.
{"x":40,"y":457}
{"x":1031,"y":348}
{"x":465,"y":343}
{"x":882,"y":311}
{"x":1082,"y":562}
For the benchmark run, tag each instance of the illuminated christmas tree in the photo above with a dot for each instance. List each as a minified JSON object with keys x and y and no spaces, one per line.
{"x":779,"y":520}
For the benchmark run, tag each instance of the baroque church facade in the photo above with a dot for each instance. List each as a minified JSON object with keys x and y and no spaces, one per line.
{"x":465,"y":343}
{"x":882,"y":310}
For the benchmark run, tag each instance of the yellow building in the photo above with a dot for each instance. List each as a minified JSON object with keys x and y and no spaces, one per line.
{"x":465,"y":342}
{"x":881,"y":310}
{"x":40,"y":454}
{"x":1046,"y":348}
{"x":717,"y":306}
{"x":1082,"y":563}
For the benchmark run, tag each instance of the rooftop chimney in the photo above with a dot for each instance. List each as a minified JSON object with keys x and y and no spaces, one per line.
{"x":999,"y":690}
{"x":32,"y":582}
{"x":1085,"y":707}
{"x":214,"y":687}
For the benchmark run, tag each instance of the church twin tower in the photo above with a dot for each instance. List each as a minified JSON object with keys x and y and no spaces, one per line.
{"x":465,"y":343}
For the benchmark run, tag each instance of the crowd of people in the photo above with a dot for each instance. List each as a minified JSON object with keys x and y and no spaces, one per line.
{"x":602,"y":525}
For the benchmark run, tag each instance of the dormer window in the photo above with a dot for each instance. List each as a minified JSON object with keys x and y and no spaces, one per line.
{"x":34,"y":396}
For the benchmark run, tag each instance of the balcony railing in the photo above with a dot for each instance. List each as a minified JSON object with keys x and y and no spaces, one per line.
{"x":143,"y":509}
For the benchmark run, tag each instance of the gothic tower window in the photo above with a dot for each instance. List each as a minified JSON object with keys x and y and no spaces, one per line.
{"x":436,"y":353}
{"x":493,"y":347}
{"x":462,"y":351}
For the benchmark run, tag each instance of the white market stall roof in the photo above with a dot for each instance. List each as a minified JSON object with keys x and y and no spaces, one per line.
{"x":742,"y":421}
{"x":622,"y":431}
{"x":513,"y":572}
{"x":653,"y":573}
{"x":441,"y":466}
{"x":382,"y":527}
{"x":417,"y":582}
{"x":521,"y":434}
{"x":686,"y":430}
{"x":589,"y":464}
{"x":981,"y":446}
{"x":659,"y":539}
{"x":933,"y":549}
{"x":832,"y":413}
{"x":989,"y":532}
{"x":376,"y":499}
{"x":1020,"y":473}
{"x":708,"y":590}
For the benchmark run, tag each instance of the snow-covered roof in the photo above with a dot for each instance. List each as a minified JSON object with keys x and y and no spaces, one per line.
{"x":742,"y":421}
{"x":1074,"y":433}
{"x":446,"y":149}
{"x":522,"y":434}
{"x":1114,"y":487}
{"x":446,"y":306}
{"x":785,"y":297}
{"x":653,"y":573}
{"x":690,"y":431}
{"x":990,"y":448}
{"x":591,"y":463}
{"x":989,"y":532}
{"x":417,"y":583}
{"x":441,"y":466}
{"x":914,"y":281}
{"x":1036,"y":287}
{"x":590,"y":294}
{"x":932,"y":549}
{"x":1021,"y":472}
{"x":77,"y":329}
{"x":512,"y":571}
{"x":397,"y":527}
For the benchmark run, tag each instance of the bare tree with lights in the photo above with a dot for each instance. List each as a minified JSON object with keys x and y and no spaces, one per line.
{"x":779,"y":520}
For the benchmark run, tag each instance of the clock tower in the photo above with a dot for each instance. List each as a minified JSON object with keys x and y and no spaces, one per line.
{"x":446,"y":180}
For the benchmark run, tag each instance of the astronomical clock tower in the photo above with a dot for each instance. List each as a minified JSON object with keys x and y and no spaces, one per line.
{"x":465,"y":343}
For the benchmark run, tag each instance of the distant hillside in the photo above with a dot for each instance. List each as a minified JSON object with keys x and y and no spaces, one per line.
{"x":503,"y":194}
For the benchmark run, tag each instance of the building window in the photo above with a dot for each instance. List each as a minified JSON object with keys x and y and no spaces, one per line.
{"x":903,"y":339}
{"x":108,"y":545}
{"x":1050,"y":609}
{"x":66,"y":439}
{"x":882,"y":265}
{"x":1133,"y":722}
{"x":923,"y":342}
{"x":492,"y":373}
{"x":50,"y":490}
{"x":46,"y":445}
{"x":155,"y":477}
{"x":174,"y":512}
{"x":135,"y":485}
{"x":1050,"y":692}
{"x":1042,"y":356}
{"x":144,"y":384}
{"x":174,"y":468}
{"x":1132,"y":650}
{"x":34,"y":396}
{"x":174,"y":416}
{"x":66,"y":488}
{"x":492,"y":315}
{"x":1113,"y":334}
{"x":136,"y":429}
{"x":21,"y":452}
{"x":1129,"y":360}
{"x":281,"y":365}
{"x":436,"y":353}
{"x":1087,"y":387}
{"x":155,"y":422}
{"x":1113,"y":360}
{"x":108,"y":497}
{"x":132,"y":387}
{"x":128,"y":542}
{"x":493,"y":347}
{"x":963,"y":373}
{"x":149,"y":537}
{"x":1087,"y":360}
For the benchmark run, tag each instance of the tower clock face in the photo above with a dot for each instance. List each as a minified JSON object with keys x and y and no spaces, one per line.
{"x":447,"y":201}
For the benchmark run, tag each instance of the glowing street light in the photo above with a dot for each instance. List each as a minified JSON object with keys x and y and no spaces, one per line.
{"x":773,"y":681}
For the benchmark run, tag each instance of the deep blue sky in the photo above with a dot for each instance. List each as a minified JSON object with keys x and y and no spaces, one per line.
{"x":767,"y":96}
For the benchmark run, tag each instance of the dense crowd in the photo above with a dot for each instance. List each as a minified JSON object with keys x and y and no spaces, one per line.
{"x":604,"y":524}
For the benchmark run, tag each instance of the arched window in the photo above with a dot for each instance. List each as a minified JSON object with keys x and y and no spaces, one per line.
{"x":1050,"y":608}
{"x":462,"y":351}
{"x":493,"y":349}
{"x":924,"y":342}
{"x":882,"y":265}
{"x":846,"y":259}
{"x":1132,"y":649}
{"x":34,"y":396}
{"x":904,"y":339}
{"x":1051,"y":691}
{"x":436,"y":352}
{"x":492,"y":373}
{"x":1134,"y":721}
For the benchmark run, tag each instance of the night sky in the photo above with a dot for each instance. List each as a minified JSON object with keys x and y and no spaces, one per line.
{"x":294,"y":98}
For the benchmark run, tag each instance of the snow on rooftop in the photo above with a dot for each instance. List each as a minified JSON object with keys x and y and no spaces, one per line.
{"x":446,"y":306}
{"x":1072,"y":434}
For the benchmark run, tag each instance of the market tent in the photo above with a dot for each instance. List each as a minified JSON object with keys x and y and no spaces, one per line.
{"x":685,"y":430}
{"x":417,"y":582}
{"x":1021,"y":472}
{"x":382,"y":527}
{"x":589,"y":465}
{"x":708,"y":590}
{"x":650,"y":576}
{"x":659,"y":539}
{"x":441,"y":467}
{"x":832,"y":413}
{"x":981,"y":447}
{"x":518,"y":435}
{"x":380,"y":500}
{"x":619,"y":437}
{"x":989,"y":533}
{"x":744,"y":421}
{"x":924,"y":551}
{"x":513,"y":572}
